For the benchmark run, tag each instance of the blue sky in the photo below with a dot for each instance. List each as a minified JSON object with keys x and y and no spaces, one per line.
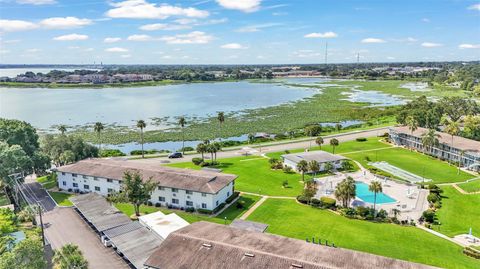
{"x":237,"y":31}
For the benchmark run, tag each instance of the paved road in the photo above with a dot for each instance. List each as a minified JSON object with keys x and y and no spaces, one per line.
{"x":64,"y":225}
{"x":273,"y":148}
{"x":35,"y":193}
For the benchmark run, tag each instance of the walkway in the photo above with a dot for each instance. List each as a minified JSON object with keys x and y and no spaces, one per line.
{"x":440,"y":235}
{"x":255,"y":206}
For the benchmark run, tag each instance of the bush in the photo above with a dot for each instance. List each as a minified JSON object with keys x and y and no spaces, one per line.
{"x":204,"y":164}
{"x":285,"y":183}
{"x":239,"y":206}
{"x":232,"y":197}
{"x":287,"y":169}
{"x":303,"y":199}
{"x":363,"y":211}
{"x":361,"y":139}
{"x":433,"y":198}
{"x":472,"y":252}
{"x":328,"y":202}
{"x":190,"y":209}
{"x":429,"y":215}
{"x":219,"y":207}
{"x":316,"y":202}
{"x":158,"y":204}
{"x":204,"y":211}
{"x":149,"y":203}
{"x":348,"y":212}
{"x":111,"y":153}
{"x":197,"y":161}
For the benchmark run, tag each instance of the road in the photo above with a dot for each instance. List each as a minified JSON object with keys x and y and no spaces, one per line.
{"x":272,"y":148}
{"x":36,"y":194}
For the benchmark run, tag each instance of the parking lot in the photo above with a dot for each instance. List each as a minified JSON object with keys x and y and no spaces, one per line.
{"x":64,"y":225}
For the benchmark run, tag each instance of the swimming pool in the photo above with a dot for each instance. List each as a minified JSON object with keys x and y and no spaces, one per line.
{"x":368,"y":197}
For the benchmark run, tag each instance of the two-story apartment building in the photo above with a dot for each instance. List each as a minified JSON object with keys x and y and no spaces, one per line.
{"x":459,"y":149}
{"x":178,"y":188}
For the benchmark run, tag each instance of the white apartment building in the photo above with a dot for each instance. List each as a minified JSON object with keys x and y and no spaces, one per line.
{"x":177,"y":188}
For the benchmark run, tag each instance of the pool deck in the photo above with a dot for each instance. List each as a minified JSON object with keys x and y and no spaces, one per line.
{"x":410,"y":199}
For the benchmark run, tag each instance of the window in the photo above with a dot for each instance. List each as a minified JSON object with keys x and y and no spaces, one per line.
{"x":204,"y":205}
{"x":188,"y":197}
{"x":216,"y":203}
{"x":160,"y":188}
{"x":74,"y":175}
{"x":161,"y":198}
{"x":75,"y":185}
{"x":97,"y":188}
{"x":189,"y":192}
{"x":174,"y":195}
{"x":109,"y":190}
{"x":228,"y":194}
{"x":85,"y":177}
{"x":86,"y":187}
{"x":63,"y":173}
{"x":109,"y":180}
{"x":204,"y":195}
{"x":175,"y":201}
{"x":174,"y":190}
{"x":95,"y":178}
{"x":189,"y":203}
{"x":64,"y":183}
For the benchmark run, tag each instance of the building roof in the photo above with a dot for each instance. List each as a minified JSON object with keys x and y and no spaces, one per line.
{"x":249,"y":225}
{"x":462,"y":143}
{"x":163,"y":224}
{"x":320,"y":156}
{"x":99,"y":212}
{"x":209,"y":245}
{"x":186,"y":179}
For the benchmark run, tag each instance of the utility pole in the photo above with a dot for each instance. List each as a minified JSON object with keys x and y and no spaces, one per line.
{"x":358,"y":58}
{"x":41,"y":223}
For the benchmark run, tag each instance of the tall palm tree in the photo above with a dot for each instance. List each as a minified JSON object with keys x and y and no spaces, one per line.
{"x":68,"y":257}
{"x":141,"y":124}
{"x":98,"y":128}
{"x":411,"y":123}
{"x":345,"y":191}
{"x":182,"y":122}
{"x":319,"y":141}
{"x":430,"y":139}
{"x":221,"y":120}
{"x":202,"y":148}
{"x":302,"y":167}
{"x":375,"y":187}
{"x":451,"y":127}
{"x":62,"y":128}
{"x":334,"y":142}
{"x":313,"y":166}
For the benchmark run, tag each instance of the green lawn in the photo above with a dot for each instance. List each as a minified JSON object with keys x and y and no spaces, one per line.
{"x":459,"y":212}
{"x":288,"y":218}
{"x":61,"y":198}
{"x":414,"y":162}
{"x":47,"y":182}
{"x":231,"y":212}
{"x":349,"y":146}
{"x":472,"y":186}
{"x":255,"y":176}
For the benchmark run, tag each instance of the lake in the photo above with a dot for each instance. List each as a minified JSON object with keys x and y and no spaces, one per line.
{"x":123,"y":106}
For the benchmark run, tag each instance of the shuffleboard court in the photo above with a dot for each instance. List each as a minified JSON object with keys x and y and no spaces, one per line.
{"x":398,"y":172}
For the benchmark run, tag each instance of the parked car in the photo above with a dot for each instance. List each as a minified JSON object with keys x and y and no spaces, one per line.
{"x":175,"y":155}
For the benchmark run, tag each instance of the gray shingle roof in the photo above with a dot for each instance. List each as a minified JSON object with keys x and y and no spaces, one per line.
{"x":186,"y":179}
{"x":319,"y":156}
{"x":204,"y":245}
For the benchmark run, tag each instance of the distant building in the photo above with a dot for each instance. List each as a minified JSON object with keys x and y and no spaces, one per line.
{"x":463,"y":150}
{"x":178,"y":188}
{"x":322,"y":157}
{"x":205,"y":245}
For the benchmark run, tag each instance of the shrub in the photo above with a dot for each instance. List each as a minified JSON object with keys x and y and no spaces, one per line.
{"x":287,"y":169}
{"x":303,"y":199}
{"x":239,"y":205}
{"x":285,"y":183}
{"x":429,"y":215}
{"x":361,"y":139}
{"x":433,"y":198}
{"x":367,"y":158}
{"x":158,"y":204}
{"x":382,"y":214}
{"x":149,"y":203}
{"x":219,"y":207}
{"x":472,"y":252}
{"x":190,"y":209}
{"x":204,"y":211}
{"x":316,"y":202}
{"x":362,"y":211}
{"x":186,"y":149}
{"x":232,"y":197}
{"x":204,"y":164}
{"x":197,"y":161}
{"x":328,"y":202}
{"x":111,"y":153}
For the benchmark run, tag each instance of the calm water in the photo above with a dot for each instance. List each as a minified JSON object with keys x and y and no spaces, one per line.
{"x":46,"y":107}
{"x":367,"y":196}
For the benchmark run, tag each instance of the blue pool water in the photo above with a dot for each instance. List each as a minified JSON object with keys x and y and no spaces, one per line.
{"x":367,"y":196}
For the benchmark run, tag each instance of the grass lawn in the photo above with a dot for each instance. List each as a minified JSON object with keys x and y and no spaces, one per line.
{"x":231,"y":212}
{"x":414,"y":162}
{"x":61,"y":198}
{"x":472,"y":186}
{"x":349,"y":146}
{"x":47,"y":182}
{"x":288,"y":218}
{"x":255,"y":176}
{"x":459,"y":212}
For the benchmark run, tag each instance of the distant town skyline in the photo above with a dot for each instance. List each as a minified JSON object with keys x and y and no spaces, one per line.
{"x":237,"y":32}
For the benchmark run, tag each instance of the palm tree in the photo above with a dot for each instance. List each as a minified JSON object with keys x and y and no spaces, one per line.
{"x":430,"y":139}
{"x":313,"y":166}
{"x":202,"y":148}
{"x":221,"y":120}
{"x":396,"y":212}
{"x":334,"y":142}
{"x":141,"y":124}
{"x":302,"y":167}
{"x":451,"y":127}
{"x":251,"y":138}
{"x":412,"y":124}
{"x":375,"y":187}
{"x":98,"y":128}
{"x":345,"y":191}
{"x":182,"y":122}
{"x":319,"y":141}
{"x":68,"y":257}
{"x":62,"y":128}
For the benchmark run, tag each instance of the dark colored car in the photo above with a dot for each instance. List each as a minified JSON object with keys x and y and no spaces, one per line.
{"x":175,"y":155}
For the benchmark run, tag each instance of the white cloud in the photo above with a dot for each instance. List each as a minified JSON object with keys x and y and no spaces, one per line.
{"x":141,"y":9}
{"x":89,"y":49}
{"x":139,"y":38}
{"x":306,"y":53}
{"x":234,"y":46}
{"x":73,"y":47}
{"x":321,"y":35}
{"x":111,"y":39}
{"x":164,"y":26}
{"x":430,"y":45}
{"x":35,"y":50}
{"x":2,"y":51}
{"x":64,"y":22}
{"x":469,"y":46}
{"x":373,"y":40}
{"x":242,"y":5}
{"x":36,"y":2}
{"x":427,"y":20}
{"x":390,"y":58}
{"x":116,"y":49}
{"x":195,"y":37}
{"x":474,"y":7}
{"x":125,"y":55}
{"x":71,"y":37}
{"x":411,"y":39}
{"x":256,"y":28}
{"x":16,"y":25}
